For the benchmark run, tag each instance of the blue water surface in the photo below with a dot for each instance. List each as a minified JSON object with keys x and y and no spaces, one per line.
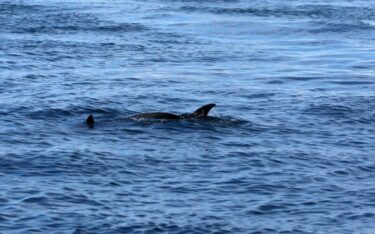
{"x":289,"y":149}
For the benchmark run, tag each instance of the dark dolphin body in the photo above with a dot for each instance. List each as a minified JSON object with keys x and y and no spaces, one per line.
{"x":201,"y":112}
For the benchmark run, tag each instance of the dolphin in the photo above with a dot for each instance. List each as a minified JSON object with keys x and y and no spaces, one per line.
{"x":200,"y":113}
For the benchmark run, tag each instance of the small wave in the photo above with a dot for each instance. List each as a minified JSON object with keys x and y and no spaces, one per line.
{"x":3,"y":201}
{"x":329,"y":110}
{"x":38,"y":200}
{"x":211,"y":225}
{"x":273,"y":207}
{"x":52,"y":20}
{"x":311,"y":11}
{"x":341,"y":27}
{"x":52,"y":29}
{"x":353,"y":82}
{"x":71,"y":111}
{"x":11,"y":8}
{"x":303,"y":78}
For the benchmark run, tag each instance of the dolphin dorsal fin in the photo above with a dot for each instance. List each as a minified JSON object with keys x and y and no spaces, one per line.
{"x":90,"y":121}
{"x":203,"y":111}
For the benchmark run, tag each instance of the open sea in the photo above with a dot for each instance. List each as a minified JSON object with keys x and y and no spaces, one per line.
{"x":290,"y":146}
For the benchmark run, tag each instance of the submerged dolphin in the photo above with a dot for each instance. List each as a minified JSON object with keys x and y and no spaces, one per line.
{"x":201,"y":112}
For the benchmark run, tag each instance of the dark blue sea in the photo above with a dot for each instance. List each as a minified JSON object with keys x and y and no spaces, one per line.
{"x":289,"y":147}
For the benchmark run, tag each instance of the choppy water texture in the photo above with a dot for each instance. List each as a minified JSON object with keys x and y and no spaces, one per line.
{"x":290,"y":150}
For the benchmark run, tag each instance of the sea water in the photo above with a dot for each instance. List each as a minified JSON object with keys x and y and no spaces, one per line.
{"x":289,"y":149}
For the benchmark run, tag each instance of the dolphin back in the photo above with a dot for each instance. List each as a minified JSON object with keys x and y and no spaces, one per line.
{"x":202,"y":112}
{"x":156,"y":115}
